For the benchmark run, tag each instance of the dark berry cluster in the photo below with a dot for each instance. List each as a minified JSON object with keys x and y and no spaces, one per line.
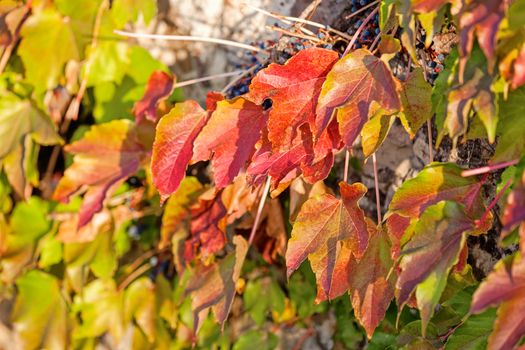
{"x":371,"y":29}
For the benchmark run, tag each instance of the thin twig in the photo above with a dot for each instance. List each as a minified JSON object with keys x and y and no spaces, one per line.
{"x":376,"y":184}
{"x":359,"y":30}
{"x":430,"y":143}
{"x":134,"y":275}
{"x":488,"y":168}
{"x":289,"y":19}
{"x":290,"y":33}
{"x":237,"y":79}
{"x":347,"y":166}
{"x":361,"y":9}
{"x":300,"y":342}
{"x":279,"y":17}
{"x":260,"y":209}
{"x":375,"y":43}
{"x":187,"y":38}
{"x":208,"y":78}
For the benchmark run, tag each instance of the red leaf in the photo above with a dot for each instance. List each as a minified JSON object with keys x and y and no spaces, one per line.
{"x":370,"y":291}
{"x":480,"y":18}
{"x":160,"y":85}
{"x":173,"y":147}
{"x":426,"y":6}
{"x":506,"y":289}
{"x":230,"y":134}
{"x":328,"y":231}
{"x":213,"y":286}
{"x":293,"y":88}
{"x":357,"y":87}
{"x":212,"y":98}
{"x":106,"y":155}
{"x":207,"y":227}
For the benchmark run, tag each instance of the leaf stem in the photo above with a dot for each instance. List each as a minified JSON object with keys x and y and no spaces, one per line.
{"x":488,"y":168}
{"x":132,"y":276}
{"x":362,"y":9}
{"x":430,"y":143}
{"x":347,"y":166}
{"x":359,"y":30}
{"x":260,"y":209}
{"x":494,"y":201}
{"x":207,"y":78}
{"x":187,"y":38}
{"x":298,"y":35}
{"x":277,"y":16}
{"x":376,"y":184}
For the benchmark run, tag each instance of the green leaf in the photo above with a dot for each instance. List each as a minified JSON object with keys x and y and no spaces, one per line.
{"x":511,"y":127}
{"x":48,"y":43}
{"x":124,"y":11}
{"x":262,"y":296}
{"x":254,"y":339}
{"x":474,"y":333}
{"x":40,"y":316}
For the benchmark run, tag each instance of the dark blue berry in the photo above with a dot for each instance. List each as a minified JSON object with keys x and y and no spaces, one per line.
{"x":377,"y":31}
{"x":366,"y":33}
{"x":363,"y":2}
{"x":432,"y":64}
{"x":353,"y":9}
{"x":267,"y":104}
{"x":358,"y":45}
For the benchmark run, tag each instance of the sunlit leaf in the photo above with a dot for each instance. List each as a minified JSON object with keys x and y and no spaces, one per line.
{"x":370,"y":291}
{"x":355,"y":89}
{"x":160,"y":85}
{"x":328,"y":231}
{"x":415,"y":101}
{"x":104,"y":158}
{"x":173,"y":147}
{"x":430,"y":254}
{"x":230,"y":135}
{"x":48,"y":43}
{"x":293,"y":89}
{"x":40,"y":315}
{"x":213,"y":286}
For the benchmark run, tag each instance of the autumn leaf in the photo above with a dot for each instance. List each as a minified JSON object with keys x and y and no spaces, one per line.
{"x":427,"y":5}
{"x":159,"y":87}
{"x":436,"y":182}
{"x":293,"y":88}
{"x":213,"y":286}
{"x":44,"y":323}
{"x":356,"y":88}
{"x":230,"y":135}
{"x":480,"y":18}
{"x":374,"y":133}
{"x":106,"y":155}
{"x":173,"y":146}
{"x":473,"y":94}
{"x":428,"y":257}
{"x":415,"y":94}
{"x":370,"y":290}
{"x":328,"y":231}
{"x":48,"y":43}
{"x":207,"y":227}
{"x":176,"y":211}
{"x":506,"y":289}
{"x":21,"y":123}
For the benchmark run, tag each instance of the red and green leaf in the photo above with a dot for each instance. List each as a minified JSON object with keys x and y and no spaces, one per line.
{"x":106,"y":156}
{"x":506,"y":289}
{"x":328,"y":231}
{"x":159,"y":87}
{"x":358,"y":86}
